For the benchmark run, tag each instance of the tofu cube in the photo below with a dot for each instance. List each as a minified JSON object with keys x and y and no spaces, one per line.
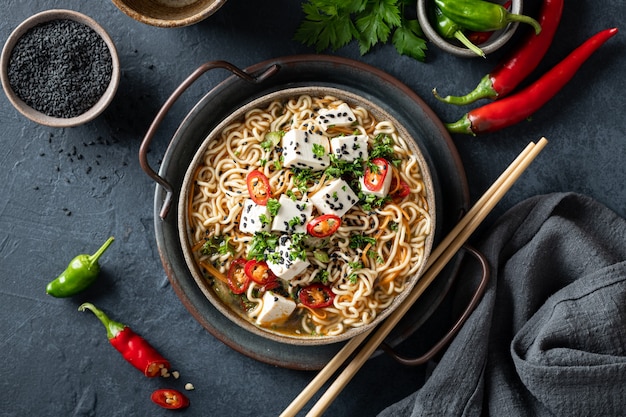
{"x":350,"y":147}
{"x":334,"y":198}
{"x":285,"y":267}
{"x":305,"y":149}
{"x":384,"y":189}
{"x":340,"y":116}
{"x":250,"y":221}
{"x":276,"y":309}
{"x":292,"y":216}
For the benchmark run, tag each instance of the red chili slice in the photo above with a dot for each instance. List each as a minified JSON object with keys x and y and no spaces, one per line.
{"x":324,"y":225}
{"x":316,"y":296}
{"x":374,"y":180}
{"x":170,"y":399}
{"x":259,"y":272}
{"x":401,"y":191}
{"x":238,"y":280}
{"x":258,"y":187}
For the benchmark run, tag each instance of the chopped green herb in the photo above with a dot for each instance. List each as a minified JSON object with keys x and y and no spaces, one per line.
{"x":262,"y":242}
{"x":264,"y":219}
{"x":323,"y":276}
{"x":291,"y":195}
{"x":318,"y":150}
{"x":302,"y":177}
{"x":297,"y":249}
{"x":273,"y":206}
{"x":370,"y":202}
{"x":383,"y":148}
{"x":360,"y":241}
{"x":393,"y":226}
{"x":217,"y":245}
{"x":294,"y":221}
{"x":342,"y":168}
{"x":272,"y":139}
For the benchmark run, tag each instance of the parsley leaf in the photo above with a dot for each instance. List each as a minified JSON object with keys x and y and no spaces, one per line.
{"x":332,"y":24}
{"x":408,"y":40}
{"x":376,"y":26}
{"x":262,"y":242}
{"x":273,"y":206}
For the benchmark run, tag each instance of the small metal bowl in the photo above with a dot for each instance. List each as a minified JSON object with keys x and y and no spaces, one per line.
{"x":36,"y":115}
{"x":498,"y":39}
{"x":169,"y":13}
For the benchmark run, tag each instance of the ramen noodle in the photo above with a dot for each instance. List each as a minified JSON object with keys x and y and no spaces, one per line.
{"x":267,"y":198}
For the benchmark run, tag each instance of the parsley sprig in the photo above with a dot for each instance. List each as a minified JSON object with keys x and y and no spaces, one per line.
{"x":332,"y":24}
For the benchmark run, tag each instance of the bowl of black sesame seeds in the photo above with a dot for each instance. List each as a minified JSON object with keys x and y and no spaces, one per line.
{"x":60,"y":68}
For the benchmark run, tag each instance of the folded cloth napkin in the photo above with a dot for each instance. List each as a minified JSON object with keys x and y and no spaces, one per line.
{"x":548,"y":337}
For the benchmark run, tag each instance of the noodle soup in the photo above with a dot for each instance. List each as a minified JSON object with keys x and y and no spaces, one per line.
{"x":308,"y":216}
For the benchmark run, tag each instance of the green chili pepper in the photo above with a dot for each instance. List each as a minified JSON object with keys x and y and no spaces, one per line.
{"x":481,"y":15}
{"x":447,"y":28}
{"x":81,"y":272}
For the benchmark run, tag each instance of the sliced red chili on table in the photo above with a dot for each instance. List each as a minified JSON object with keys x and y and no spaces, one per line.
{"x":323,"y":226}
{"x":258,"y":187}
{"x":316,"y":296}
{"x":259,"y":272}
{"x":237,"y":279}
{"x":170,"y":399}
{"x":374,"y":178}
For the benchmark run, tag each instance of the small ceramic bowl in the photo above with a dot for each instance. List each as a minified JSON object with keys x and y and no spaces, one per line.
{"x":169,"y":13}
{"x":92,"y":108}
{"x":498,"y":39}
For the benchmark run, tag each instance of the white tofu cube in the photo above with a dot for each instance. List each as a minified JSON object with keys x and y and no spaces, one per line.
{"x":276,"y":309}
{"x":384,"y":189}
{"x":292,"y":216}
{"x":250,"y":221}
{"x":340,"y":116}
{"x":285,"y":267}
{"x":335,"y":198}
{"x":305,"y":149}
{"x":350,"y":147}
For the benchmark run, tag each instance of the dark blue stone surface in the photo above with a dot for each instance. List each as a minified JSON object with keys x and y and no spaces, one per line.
{"x":64,"y":191}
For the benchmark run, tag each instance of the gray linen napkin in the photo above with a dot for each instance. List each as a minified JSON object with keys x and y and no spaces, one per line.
{"x":549,"y":336}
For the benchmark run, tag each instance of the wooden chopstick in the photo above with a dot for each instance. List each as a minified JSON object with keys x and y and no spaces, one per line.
{"x":437,"y":261}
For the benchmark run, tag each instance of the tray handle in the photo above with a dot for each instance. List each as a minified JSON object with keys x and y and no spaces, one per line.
{"x":145,"y":143}
{"x":404,"y":360}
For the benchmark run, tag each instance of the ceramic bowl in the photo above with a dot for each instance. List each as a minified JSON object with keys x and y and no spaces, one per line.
{"x":169,"y":13}
{"x":497,"y":40}
{"x":38,"y":116}
{"x":215,"y":294}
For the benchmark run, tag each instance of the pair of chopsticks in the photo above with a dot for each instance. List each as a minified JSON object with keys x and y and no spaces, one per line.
{"x":437,"y":260}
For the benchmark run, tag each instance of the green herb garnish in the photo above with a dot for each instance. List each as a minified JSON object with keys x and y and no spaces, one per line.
{"x":273,"y":206}
{"x":217,"y":245}
{"x":262,"y":242}
{"x":332,"y":24}
{"x":360,"y":241}
{"x":272,"y":139}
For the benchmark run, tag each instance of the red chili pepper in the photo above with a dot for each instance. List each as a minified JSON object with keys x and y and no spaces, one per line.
{"x":517,"y":107}
{"x":237,"y":278}
{"x":259,"y":272}
{"x":134,"y":348}
{"x":374,"y":180}
{"x":520,"y":63}
{"x":170,"y":399}
{"x":316,"y":296}
{"x":401,"y":191}
{"x":324,"y":225}
{"x":258,"y":187}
